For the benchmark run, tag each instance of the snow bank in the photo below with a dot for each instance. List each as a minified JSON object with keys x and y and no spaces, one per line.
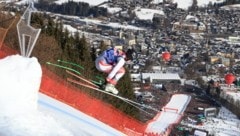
{"x":20,"y":80}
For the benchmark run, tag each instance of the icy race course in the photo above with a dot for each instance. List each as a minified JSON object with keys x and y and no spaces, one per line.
{"x":26,"y":112}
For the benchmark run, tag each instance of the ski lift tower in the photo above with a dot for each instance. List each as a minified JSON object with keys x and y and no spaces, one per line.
{"x":27,"y":35}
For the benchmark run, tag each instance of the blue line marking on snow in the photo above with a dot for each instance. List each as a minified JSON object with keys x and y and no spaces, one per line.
{"x":74,"y":116}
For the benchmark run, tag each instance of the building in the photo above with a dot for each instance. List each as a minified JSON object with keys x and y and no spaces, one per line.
{"x":191,"y":23}
{"x":156,"y":77}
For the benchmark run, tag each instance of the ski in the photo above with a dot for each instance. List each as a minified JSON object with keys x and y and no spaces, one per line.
{"x":131,"y":102}
{"x":81,"y":78}
{"x":68,"y":69}
{"x":71,"y":63}
{"x":63,"y":67}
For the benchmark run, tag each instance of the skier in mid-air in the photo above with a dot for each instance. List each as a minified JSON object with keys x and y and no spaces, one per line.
{"x":111,"y":61}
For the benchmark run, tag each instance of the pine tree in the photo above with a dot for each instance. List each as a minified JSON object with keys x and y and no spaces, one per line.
{"x":63,"y":39}
{"x":194,"y":6}
{"x":85,"y":57}
{"x":125,"y":85}
{"x":37,"y":20}
{"x":50,"y":26}
{"x":93,"y":53}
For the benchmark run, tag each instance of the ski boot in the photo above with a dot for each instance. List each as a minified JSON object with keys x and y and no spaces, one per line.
{"x":111,"y":88}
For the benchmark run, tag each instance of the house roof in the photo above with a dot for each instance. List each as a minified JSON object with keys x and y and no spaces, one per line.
{"x":161,"y":76}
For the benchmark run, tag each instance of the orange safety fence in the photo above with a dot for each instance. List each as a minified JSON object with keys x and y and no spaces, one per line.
{"x":5,"y":51}
{"x":170,"y":109}
{"x":58,"y":88}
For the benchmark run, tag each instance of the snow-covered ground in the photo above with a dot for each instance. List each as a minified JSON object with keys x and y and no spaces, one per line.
{"x":147,"y":14}
{"x":171,"y":114}
{"x":73,"y":120}
{"x":110,"y":24}
{"x":91,"y":2}
{"x":225,"y":124}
